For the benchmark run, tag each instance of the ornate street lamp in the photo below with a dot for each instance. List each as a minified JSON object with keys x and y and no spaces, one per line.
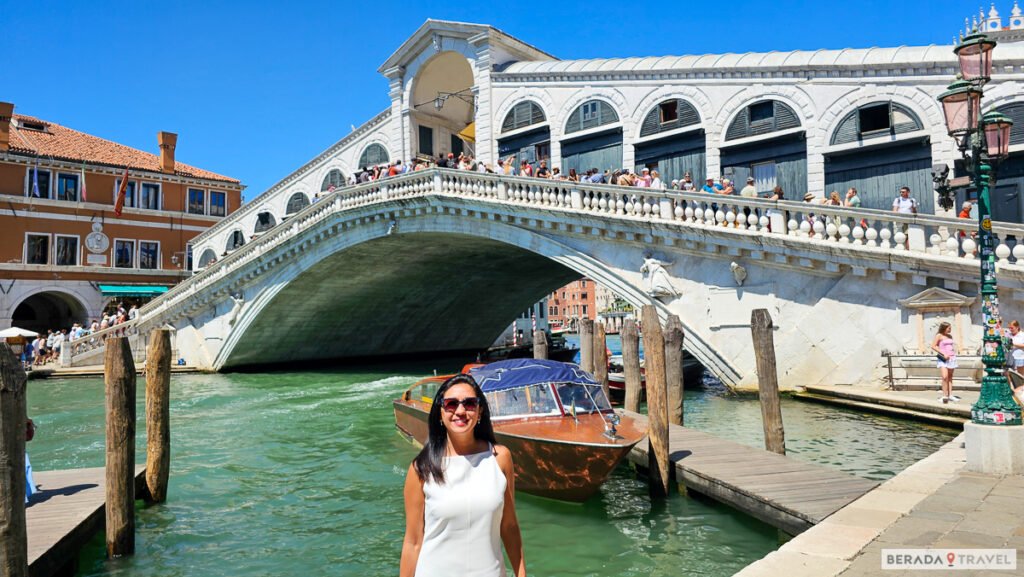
{"x":983,"y":140}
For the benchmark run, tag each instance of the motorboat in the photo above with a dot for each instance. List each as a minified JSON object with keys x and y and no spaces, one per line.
{"x":693,"y":374}
{"x":564,"y":435}
{"x":558,"y":350}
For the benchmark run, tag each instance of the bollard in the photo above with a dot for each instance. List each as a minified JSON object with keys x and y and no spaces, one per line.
{"x":657,"y":402}
{"x":600,"y":357}
{"x":631,"y":365}
{"x":768,"y":381}
{"x":540,"y":344}
{"x":119,"y":377}
{"x":158,"y":415}
{"x":586,"y":350}
{"x":13,"y":531}
{"x":674,"y":368}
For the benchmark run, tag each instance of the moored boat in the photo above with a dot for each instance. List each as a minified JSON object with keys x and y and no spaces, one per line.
{"x":564,"y":436}
{"x":693,"y":374}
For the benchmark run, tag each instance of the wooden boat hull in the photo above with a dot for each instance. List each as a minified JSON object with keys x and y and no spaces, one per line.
{"x":558,"y":457}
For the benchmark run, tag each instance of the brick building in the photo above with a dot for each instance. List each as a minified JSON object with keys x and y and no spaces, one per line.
{"x":64,"y":253}
{"x":572,"y":302}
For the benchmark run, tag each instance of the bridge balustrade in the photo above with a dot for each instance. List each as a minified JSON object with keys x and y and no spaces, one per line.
{"x":927,"y":236}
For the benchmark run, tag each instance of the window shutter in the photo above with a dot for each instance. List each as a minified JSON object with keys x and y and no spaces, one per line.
{"x":903,"y":120}
{"x":652,"y":123}
{"x":785,"y":117}
{"x":740,"y":126}
{"x":1016,"y":113}
{"x":688,"y":115}
{"x":848,"y":130}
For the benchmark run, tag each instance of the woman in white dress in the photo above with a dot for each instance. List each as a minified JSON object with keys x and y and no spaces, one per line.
{"x":460,"y":493}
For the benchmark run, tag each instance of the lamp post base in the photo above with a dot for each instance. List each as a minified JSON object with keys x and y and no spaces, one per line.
{"x":995,"y":450}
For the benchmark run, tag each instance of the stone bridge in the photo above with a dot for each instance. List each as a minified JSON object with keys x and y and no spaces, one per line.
{"x":442,"y":260}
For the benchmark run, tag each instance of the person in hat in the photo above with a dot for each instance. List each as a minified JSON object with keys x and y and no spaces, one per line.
{"x":709,"y":186}
{"x":749,"y":191}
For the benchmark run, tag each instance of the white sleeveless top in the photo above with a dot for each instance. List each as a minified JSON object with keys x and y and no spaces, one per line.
{"x":462,"y":519}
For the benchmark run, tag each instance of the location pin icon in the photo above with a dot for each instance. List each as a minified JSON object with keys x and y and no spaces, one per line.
{"x":950,"y":557}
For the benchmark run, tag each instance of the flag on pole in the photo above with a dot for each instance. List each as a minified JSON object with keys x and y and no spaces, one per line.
{"x":121,"y":191}
{"x":85,"y":197}
{"x":35,"y":180}
{"x":515,"y":335}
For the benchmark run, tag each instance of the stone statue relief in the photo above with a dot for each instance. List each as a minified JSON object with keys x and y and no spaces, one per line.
{"x":656,"y":279}
{"x":235,"y":308}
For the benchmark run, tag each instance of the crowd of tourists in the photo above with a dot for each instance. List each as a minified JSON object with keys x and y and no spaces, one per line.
{"x":46,"y":349}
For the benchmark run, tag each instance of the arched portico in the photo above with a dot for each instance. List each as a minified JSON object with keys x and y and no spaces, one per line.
{"x":442,"y":105}
{"x":49,"y":310}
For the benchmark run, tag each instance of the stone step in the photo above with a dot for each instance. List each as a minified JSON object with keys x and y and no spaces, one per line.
{"x":943,"y":420}
{"x":958,"y":385}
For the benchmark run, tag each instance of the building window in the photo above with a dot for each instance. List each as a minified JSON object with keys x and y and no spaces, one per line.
{"x":264,"y":222}
{"x":65,"y":250}
{"x":149,"y":254}
{"x":426,"y":141}
{"x":584,"y":310}
{"x":196,"y":201}
{"x":583,"y":283}
{"x":218,"y":203}
{"x":762,"y":111}
{"x":129,"y":193}
{"x":124,"y":253}
{"x":67,"y":187}
{"x":39,"y":179}
{"x":669,"y":111}
{"x":334,"y":179}
{"x":583,"y":296}
{"x":590,"y":110}
{"x":235,"y":241}
{"x":150,"y":196}
{"x":37,"y":249}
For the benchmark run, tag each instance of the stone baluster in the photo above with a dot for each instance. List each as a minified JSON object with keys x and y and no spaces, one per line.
{"x":1018,"y":253}
{"x":844,"y":233}
{"x":1002,"y":249}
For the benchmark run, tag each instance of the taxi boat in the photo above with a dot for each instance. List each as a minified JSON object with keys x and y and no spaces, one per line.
{"x":554,"y":418}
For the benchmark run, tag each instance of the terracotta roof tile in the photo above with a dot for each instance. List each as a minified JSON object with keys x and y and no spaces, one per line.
{"x":61,"y":142}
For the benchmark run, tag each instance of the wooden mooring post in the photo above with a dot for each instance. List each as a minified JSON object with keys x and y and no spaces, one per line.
{"x":674,"y":368}
{"x":600,"y":357}
{"x":657,"y":402}
{"x":13,"y":420}
{"x":540,"y":344}
{"x":119,"y":377}
{"x":158,"y":415}
{"x":586,"y":345}
{"x":631,"y":364}
{"x":761,"y":328}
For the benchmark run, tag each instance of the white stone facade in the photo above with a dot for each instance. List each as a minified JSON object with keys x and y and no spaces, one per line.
{"x":822,"y":87}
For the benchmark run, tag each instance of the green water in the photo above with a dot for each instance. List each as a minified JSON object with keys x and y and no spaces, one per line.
{"x":301,"y":473}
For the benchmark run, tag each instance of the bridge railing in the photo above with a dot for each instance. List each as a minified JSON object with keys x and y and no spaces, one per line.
{"x":920,"y":233}
{"x":924,"y":234}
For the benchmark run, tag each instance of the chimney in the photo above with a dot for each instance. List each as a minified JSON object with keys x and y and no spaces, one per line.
{"x":167,"y":140}
{"x":6,"y":112}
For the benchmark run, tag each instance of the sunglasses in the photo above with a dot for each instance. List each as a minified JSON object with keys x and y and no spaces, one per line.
{"x":452,"y":405}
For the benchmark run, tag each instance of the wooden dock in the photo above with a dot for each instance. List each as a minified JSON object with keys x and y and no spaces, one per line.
{"x":787,"y":493}
{"x":65,"y":514}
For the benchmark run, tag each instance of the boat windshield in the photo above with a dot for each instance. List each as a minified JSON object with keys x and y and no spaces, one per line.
{"x":585,"y":398}
{"x":531,"y":401}
{"x":424,"y":391}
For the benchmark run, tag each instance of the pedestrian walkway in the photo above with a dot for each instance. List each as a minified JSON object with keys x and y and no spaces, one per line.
{"x":972,"y":511}
{"x":92,"y":371}
{"x":828,"y":548}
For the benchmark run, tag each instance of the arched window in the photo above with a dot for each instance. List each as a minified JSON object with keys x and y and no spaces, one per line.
{"x":373,"y":155}
{"x":762,"y":118}
{"x":297,"y":202}
{"x":334,"y":179}
{"x":208,"y":258}
{"x":591,"y":114}
{"x":235,"y":240}
{"x":874,"y":120}
{"x":1016,"y":113}
{"x":264,"y":221}
{"x":669,"y":115}
{"x":522,"y":115}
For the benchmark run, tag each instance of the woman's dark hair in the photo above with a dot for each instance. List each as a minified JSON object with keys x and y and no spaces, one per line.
{"x":429,"y":463}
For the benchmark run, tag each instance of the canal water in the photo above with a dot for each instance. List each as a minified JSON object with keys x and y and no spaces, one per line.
{"x":296,"y":473}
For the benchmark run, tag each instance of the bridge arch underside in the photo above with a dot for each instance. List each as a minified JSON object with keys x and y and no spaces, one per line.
{"x":398,"y":294}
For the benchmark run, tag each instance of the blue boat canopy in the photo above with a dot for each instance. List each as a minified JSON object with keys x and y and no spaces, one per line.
{"x":111,"y":290}
{"x":515,"y":373}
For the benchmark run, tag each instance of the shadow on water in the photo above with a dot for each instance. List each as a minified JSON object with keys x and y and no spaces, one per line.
{"x":287,"y":473}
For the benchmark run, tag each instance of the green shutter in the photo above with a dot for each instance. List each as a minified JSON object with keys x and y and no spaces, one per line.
{"x":686,"y":115}
{"x":785,"y":117}
{"x":522,"y":115}
{"x":373,"y":155}
{"x":903,"y":120}
{"x":604,"y":114}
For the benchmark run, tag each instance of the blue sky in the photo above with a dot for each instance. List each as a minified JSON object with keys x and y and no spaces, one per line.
{"x":255,"y":89}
